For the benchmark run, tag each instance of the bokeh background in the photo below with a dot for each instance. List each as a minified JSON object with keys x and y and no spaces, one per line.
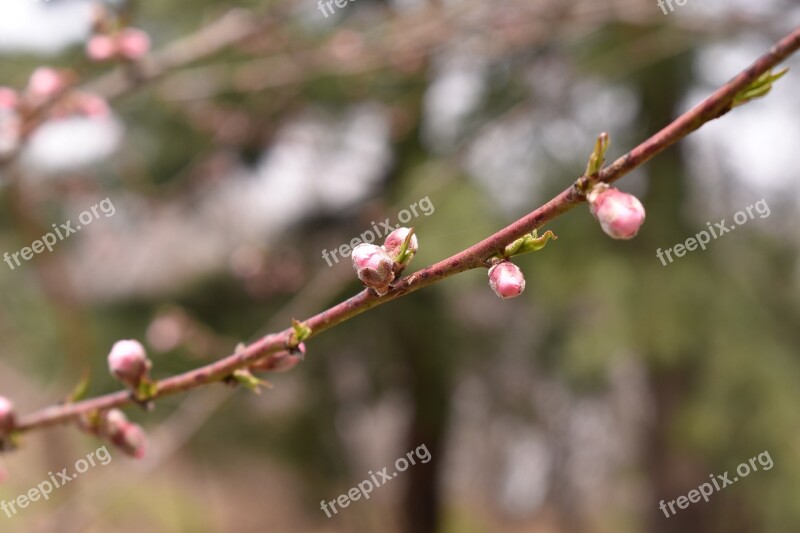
{"x":612,"y":383}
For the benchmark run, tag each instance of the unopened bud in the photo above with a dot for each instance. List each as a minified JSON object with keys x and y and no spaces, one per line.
{"x":373,"y":266}
{"x":8,"y":419}
{"x":133,"y":43}
{"x":101,"y":47}
{"x":131,"y":439}
{"x":117,"y":429}
{"x":111,"y":422}
{"x":394,"y":246}
{"x":620,"y":214}
{"x":506,"y":280}
{"x":92,"y":106}
{"x":44,"y":83}
{"x":128,"y":362}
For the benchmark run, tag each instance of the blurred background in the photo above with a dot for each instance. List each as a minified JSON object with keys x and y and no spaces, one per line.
{"x":612,"y":383}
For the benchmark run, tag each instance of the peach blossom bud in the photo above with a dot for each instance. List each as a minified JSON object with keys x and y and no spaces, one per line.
{"x":133,"y":43}
{"x":8,"y":98}
{"x":101,"y":47}
{"x":92,"y":106}
{"x":506,"y":280}
{"x":394,"y":243}
{"x":128,"y":362}
{"x":117,"y":429}
{"x":111,"y":423}
{"x":8,"y":418}
{"x":620,"y":214}
{"x":373,"y":266}
{"x":131,"y":439}
{"x":44,"y":83}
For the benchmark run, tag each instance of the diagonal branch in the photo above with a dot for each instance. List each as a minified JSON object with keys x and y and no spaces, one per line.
{"x":715,"y":106}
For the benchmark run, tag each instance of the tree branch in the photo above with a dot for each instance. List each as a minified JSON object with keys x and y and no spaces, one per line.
{"x":235,"y":26}
{"x":232,"y":28}
{"x":713,"y":107}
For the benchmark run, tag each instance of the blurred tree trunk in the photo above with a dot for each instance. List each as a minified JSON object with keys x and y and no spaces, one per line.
{"x":427,"y":359}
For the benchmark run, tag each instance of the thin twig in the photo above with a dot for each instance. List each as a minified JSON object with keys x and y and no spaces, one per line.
{"x":711,"y":108}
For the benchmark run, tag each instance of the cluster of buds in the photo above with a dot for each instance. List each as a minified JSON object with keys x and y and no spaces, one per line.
{"x":128,"y":362}
{"x":620,"y":214}
{"x":128,"y":44}
{"x":377,"y":266}
{"x":112,"y":39}
{"x":113,"y":426}
{"x":44,"y":85}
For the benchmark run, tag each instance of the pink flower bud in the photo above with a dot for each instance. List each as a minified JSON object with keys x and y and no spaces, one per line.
{"x":117,"y":429}
{"x":506,"y":280}
{"x":133,"y":43}
{"x":44,"y":83}
{"x":111,"y":423}
{"x":128,"y":362}
{"x":92,"y":106}
{"x":620,"y":214}
{"x":8,"y":419}
{"x":281,"y":361}
{"x":101,"y":48}
{"x":373,"y":266}
{"x":8,"y":98}
{"x":131,"y":439}
{"x":394,"y":242}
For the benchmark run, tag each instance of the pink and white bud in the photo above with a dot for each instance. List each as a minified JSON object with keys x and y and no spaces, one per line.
{"x":373,"y":266}
{"x":111,"y":423}
{"x":101,"y":47}
{"x":128,"y":362}
{"x":506,"y":280}
{"x":394,"y":243}
{"x":92,"y":106}
{"x":133,"y":43}
{"x":8,"y":419}
{"x":620,"y":214}
{"x":117,"y":429}
{"x":44,"y":83}
{"x":281,"y":361}
{"x":131,"y":439}
{"x":8,"y":98}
